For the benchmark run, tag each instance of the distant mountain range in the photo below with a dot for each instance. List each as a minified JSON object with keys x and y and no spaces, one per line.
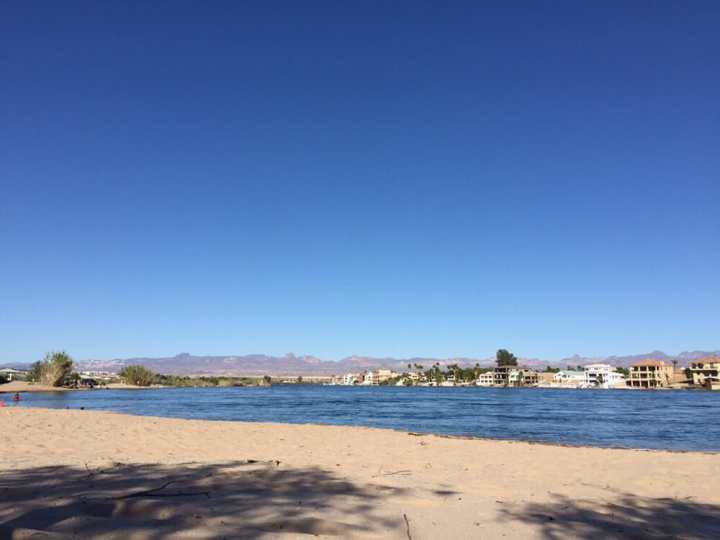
{"x":261,"y":364}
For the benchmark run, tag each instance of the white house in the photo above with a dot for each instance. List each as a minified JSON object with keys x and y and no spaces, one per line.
{"x":602,"y":375}
{"x":10,"y":373}
{"x":349,"y":379}
{"x":485,"y":379}
{"x":385,"y":374}
{"x":371,"y":379}
{"x":569,"y":377}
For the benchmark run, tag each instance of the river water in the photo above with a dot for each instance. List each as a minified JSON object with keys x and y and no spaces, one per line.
{"x":674,"y":420}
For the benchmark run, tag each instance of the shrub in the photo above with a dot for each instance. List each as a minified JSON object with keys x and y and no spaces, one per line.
{"x":137,"y":375}
{"x":53,"y":370}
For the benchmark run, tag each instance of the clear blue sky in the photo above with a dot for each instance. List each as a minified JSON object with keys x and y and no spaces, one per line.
{"x":337,"y":178}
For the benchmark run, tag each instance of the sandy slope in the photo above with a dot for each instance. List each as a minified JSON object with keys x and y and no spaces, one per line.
{"x":81,"y":474}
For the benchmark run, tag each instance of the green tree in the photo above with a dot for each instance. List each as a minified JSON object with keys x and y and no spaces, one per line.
{"x":53,"y":370}
{"x":137,"y":375}
{"x":72,"y":380}
{"x":456,"y":371}
{"x":35,"y":372}
{"x":505,"y":358}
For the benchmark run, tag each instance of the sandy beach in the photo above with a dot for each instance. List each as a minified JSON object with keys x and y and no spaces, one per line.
{"x":22,"y":386}
{"x":82,"y":474}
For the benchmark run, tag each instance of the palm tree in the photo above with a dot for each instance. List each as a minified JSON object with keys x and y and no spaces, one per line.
{"x":437,"y":372}
{"x":455,"y":369}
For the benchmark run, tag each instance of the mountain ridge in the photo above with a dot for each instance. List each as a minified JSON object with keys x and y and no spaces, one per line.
{"x":292,"y":365}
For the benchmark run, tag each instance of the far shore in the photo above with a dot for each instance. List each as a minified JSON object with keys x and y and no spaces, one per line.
{"x":21,"y":386}
{"x":86,"y":474}
{"x":14,"y":387}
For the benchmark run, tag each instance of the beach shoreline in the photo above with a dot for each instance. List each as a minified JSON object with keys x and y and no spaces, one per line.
{"x":396,"y":430}
{"x":18,"y":387}
{"x":288,"y":480}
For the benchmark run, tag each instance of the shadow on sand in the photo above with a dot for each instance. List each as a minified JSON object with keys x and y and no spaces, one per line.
{"x":627,"y":516}
{"x":231,"y":500}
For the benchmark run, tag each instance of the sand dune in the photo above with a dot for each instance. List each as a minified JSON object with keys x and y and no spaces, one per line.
{"x":81,"y":474}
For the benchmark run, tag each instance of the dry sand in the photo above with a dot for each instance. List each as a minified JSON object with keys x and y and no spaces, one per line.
{"x":82,"y":474}
{"x":22,"y":386}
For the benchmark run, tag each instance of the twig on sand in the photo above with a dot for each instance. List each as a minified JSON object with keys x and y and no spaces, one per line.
{"x":146,"y":491}
{"x":155,"y":492}
{"x":407,"y":527}
{"x":404,"y":472}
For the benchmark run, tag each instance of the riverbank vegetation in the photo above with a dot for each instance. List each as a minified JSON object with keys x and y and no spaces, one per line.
{"x":137,"y":375}
{"x":56,"y":370}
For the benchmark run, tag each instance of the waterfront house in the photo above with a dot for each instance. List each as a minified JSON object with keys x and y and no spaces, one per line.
{"x":650,"y":373}
{"x":524,"y":377}
{"x":569,"y":377}
{"x":501,"y":375}
{"x":514,"y":376}
{"x":350,"y":379}
{"x":385,"y":374}
{"x":485,"y":379}
{"x":602,"y":375}
{"x":706,"y":372}
{"x":370,"y":378}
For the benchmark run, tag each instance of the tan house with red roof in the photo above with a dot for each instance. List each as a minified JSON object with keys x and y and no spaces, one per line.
{"x":650,"y":373}
{"x":706,"y":372}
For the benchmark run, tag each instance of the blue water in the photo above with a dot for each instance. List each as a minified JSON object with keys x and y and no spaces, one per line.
{"x":675,"y":420}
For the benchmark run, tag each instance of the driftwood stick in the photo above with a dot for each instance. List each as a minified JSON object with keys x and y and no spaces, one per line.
{"x":177,"y":494}
{"x":145,"y":492}
{"x":404,"y":472}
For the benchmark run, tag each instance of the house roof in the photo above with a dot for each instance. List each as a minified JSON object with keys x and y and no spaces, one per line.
{"x":707,"y":360}
{"x":650,"y":362}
